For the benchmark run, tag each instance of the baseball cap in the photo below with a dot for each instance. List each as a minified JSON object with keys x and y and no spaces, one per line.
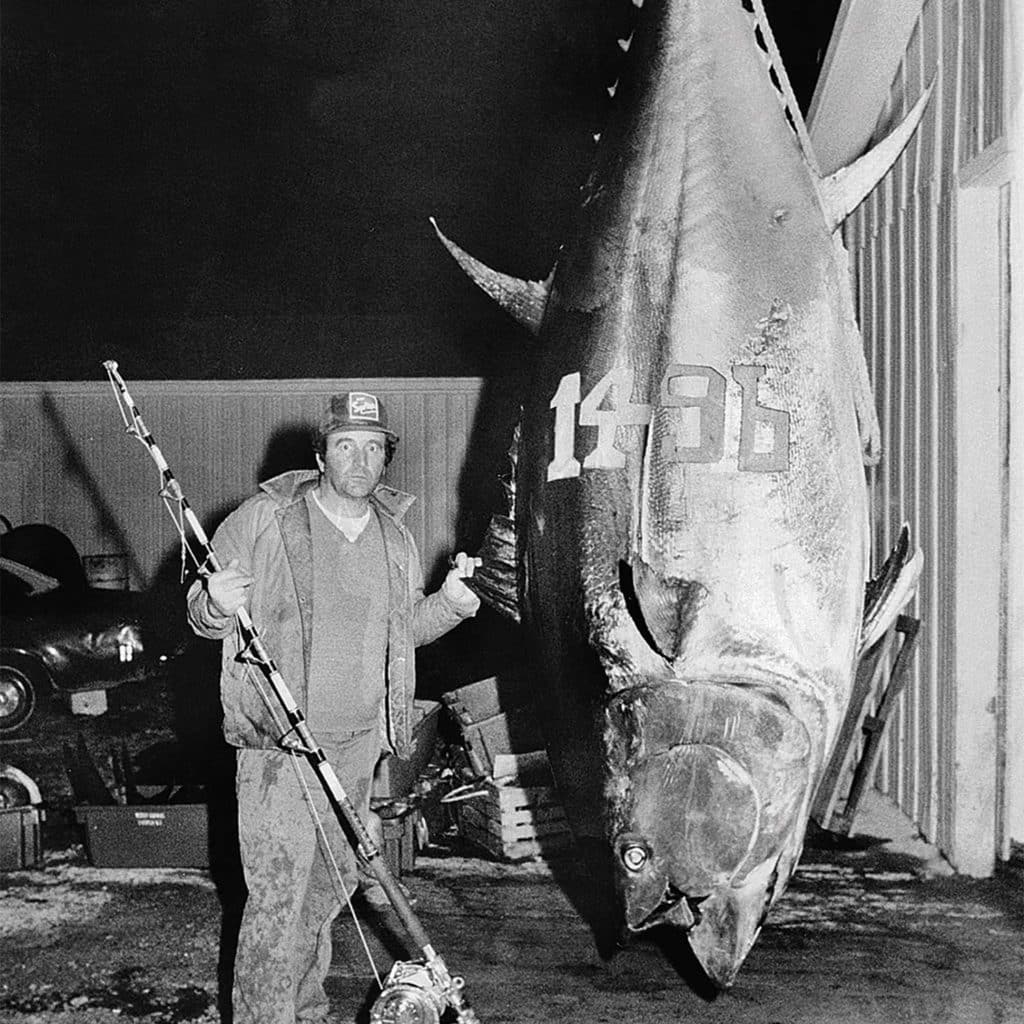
{"x":355,"y":410}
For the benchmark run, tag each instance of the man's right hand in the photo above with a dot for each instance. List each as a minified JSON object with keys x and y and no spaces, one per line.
{"x":228,"y":589}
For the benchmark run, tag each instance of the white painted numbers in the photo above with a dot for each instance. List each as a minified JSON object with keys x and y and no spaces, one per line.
{"x":764,"y":432}
{"x":605,"y":455}
{"x":565,"y":465}
{"x":700,"y":393}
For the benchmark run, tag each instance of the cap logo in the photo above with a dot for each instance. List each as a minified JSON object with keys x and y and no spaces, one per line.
{"x":362,"y":406}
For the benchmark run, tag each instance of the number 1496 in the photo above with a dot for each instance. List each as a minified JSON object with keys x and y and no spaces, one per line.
{"x":700,"y":393}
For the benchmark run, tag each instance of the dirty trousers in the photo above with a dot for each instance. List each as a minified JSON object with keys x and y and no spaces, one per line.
{"x":284,"y":943}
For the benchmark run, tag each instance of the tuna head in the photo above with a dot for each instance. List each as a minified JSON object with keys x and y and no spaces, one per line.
{"x":690,"y":517}
{"x":706,"y":829}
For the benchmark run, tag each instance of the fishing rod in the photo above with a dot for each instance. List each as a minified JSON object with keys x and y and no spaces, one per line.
{"x":415,"y":991}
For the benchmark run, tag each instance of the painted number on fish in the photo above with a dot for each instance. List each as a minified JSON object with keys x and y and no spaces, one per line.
{"x":698,"y":392}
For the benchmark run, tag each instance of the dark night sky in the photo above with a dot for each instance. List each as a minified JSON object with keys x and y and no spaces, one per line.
{"x":240,"y":188}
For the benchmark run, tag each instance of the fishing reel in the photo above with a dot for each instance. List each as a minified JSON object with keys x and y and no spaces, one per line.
{"x":416,"y":993}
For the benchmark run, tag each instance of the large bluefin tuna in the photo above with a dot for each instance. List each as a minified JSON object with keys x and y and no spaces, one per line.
{"x":691,"y":523}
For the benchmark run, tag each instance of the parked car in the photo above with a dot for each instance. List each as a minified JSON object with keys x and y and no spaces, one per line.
{"x":58,"y":633}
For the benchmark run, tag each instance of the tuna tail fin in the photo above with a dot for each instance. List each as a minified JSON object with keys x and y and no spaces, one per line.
{"x":887,"y":594}
{"x":842,"y":192}
{"x":523,"y":300}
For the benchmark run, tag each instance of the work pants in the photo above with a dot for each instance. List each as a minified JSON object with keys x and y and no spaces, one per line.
{"x":284,"y":944}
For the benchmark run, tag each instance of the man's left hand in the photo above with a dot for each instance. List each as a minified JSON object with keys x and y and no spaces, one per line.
{"x":463,"y":566}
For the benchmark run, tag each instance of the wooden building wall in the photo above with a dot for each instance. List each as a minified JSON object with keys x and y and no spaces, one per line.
{"x":903,"y":243}
{"x":67,"y":461}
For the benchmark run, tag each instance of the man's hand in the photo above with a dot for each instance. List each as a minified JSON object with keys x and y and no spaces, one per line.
{"x":462,"y":567}
{"x":228,"y":589}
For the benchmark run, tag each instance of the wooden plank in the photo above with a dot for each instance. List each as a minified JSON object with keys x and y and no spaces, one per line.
{"x":874,"y":725}
{"x":970,"y":83}
{"x":527,"y":818}
{"x":948,"y":134}
{"x":869,"y":671}
{"x":993,"y":71}
{"x":510,"y":828}
{"x":929,"y":74}
{"x":928,"y":593}
{"x":944,"y":566}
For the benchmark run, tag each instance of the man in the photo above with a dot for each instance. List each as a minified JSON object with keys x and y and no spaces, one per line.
{"x":332,"y":579}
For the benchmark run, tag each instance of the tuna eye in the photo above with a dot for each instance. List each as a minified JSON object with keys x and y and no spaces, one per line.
{"x":634,"y":856}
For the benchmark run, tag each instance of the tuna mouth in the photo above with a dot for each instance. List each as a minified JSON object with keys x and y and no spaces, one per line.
{"x":675,"y":908}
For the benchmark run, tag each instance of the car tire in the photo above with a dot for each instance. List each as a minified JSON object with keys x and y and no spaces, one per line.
{"x":22,"y":677}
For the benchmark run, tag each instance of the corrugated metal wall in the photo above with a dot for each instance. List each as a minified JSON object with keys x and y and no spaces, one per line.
{"x":80,"y":472}
{"x":903,"y":253}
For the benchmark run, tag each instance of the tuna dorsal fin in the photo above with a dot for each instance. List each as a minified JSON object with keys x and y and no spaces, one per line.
{"x":523,"y":300}
{"x":785,"y":89}
{"x":887,"y":594}
{"x":841,"y":193}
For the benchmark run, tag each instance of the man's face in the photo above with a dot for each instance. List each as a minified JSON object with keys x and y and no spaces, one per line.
{"x":353,"y":462}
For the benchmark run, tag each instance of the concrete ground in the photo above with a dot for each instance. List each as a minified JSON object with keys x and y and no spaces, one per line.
{"x":880,"y":930}
{"x":875,"y":930}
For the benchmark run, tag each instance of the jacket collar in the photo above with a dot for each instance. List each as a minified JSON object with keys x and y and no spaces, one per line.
{"x":292,"y":486}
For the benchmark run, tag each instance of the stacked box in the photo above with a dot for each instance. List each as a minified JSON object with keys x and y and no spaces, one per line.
{"x":492,"y":724}
{"x":20,"y":841}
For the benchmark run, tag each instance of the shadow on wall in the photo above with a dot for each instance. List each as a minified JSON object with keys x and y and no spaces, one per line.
{"x":290,"y":447}
{"x":75,"y":466}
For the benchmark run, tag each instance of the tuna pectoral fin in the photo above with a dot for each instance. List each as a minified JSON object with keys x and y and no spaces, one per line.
{"x":495,"y":581}
{"x":523,"y":300}
{"x":844,"y":191}
{"x":888,"y":593}
{"x":662,"y":608}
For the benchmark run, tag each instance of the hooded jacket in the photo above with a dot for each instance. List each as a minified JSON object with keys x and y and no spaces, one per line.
{"x":270,"y":535}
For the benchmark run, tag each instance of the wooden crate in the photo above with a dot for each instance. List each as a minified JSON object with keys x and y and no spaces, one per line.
{"x":515,"y":822}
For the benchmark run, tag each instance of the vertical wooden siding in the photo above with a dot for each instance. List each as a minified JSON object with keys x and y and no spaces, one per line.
{"x":89,"y":479}
{"x":903,"y":254}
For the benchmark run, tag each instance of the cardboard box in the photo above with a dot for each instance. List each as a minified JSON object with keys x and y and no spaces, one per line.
{"x":146,"y":835}
{"x":20,"y":841}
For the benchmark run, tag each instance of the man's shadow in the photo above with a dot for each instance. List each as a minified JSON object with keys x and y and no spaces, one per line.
{"x":201,"y":758}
